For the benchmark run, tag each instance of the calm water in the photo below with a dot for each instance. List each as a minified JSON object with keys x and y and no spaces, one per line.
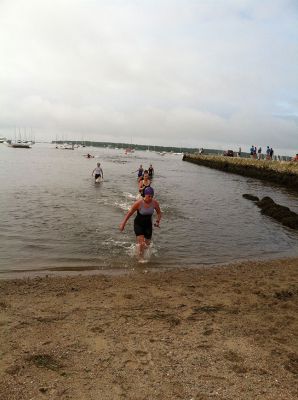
{"x":54,"y":218}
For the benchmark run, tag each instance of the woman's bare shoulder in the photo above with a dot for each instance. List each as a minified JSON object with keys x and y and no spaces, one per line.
{"x":137,"y":203}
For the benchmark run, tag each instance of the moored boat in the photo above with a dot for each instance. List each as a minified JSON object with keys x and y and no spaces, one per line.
{"x":21,"y":145}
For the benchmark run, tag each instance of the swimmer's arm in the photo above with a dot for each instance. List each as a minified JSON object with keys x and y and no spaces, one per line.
{"x":129,"y":214}
{"x":140,"y":185}
{"x":157,"y":209}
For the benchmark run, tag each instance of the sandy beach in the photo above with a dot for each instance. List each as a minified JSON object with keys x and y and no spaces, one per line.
{"x":224,"y":332}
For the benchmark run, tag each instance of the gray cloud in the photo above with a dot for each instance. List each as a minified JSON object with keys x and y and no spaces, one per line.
{"x":186,"y":73}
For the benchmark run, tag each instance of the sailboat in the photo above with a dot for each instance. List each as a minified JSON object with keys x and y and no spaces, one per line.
{"x":21,"y":144}
{"x":130,"y":149}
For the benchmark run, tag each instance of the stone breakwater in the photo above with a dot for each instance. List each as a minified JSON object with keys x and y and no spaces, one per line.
{"x":284,"y":173}
{"x":276,"y":211}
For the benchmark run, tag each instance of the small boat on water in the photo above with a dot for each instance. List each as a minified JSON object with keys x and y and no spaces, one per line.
{"x":129,"y":150}
{"x":21,"y":141}
{"x":65,"y":146}
{"x":21,"y":145}
{"x":2,"y":139}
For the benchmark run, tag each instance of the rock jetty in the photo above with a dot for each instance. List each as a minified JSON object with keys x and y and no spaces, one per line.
{"x":276,"y":211}
{"x":284,"y":173}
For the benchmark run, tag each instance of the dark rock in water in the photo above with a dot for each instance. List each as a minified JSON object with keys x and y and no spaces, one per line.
{"x":265,"y":202}
{"x":250,"y":197}
{"x":280,"y":213}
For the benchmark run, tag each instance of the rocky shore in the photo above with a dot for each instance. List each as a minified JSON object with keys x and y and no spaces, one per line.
{"x":284,"y":173}
{"x":228,"y":332}
{"x":276,"y":211}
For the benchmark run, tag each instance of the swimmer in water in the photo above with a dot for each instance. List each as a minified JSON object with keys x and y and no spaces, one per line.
{"x":143,"y":183}
{"x":97,"y":172}
{"x":151,"y":171}
{"x":140,"y":172}
{"x":143,"y":220}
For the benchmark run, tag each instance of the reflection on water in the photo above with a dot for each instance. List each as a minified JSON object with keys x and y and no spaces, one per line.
{"x":54,"y":217}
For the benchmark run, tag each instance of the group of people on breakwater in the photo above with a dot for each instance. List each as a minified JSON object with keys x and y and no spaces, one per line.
{"x":144,"y":207}
{"x":257,"y":153}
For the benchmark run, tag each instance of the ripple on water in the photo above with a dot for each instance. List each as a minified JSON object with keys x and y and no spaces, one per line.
{"x":68,"y":219}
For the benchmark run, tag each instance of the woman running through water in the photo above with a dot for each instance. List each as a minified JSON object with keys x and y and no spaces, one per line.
{"x":143,"y":220}
{"x":97,"y":172}
{"x":143,"y":183}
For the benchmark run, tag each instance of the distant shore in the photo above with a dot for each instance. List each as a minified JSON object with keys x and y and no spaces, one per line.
{"x":227,"y":332}
{"x":284,"y":173}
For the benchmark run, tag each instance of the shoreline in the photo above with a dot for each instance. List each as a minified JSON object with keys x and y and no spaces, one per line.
{"x":67,"y":269}
{"x":282,"y":173}
{"x":226,"y":332}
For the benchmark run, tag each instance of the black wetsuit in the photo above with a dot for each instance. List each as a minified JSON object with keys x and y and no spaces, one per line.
{"x":142,"y":190}
{"x":143,"y":221}
{"x":150,"y":172}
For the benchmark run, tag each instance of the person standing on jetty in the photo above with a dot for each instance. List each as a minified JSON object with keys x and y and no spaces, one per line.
{"x":268,"y":153}
{"x":252,"y":149}
{"x":143,"y":220}
{"x":255,"y":153}
{"x":97,"y":172}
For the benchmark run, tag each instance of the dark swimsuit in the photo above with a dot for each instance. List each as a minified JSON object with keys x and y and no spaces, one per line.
{"x":142,"y":190}
{"x":150,"y":172}
{"x":143,"y":221}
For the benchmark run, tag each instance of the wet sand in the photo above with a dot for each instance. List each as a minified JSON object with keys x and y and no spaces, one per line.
{"x":228,"y":332}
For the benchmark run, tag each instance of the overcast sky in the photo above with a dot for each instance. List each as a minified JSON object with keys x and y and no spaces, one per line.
{"x":195,"y":73}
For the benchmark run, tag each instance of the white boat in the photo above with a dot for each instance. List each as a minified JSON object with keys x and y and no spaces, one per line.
{"x":21,"y":145}
{"x":2,"y":139}
{"x":65,"y":146}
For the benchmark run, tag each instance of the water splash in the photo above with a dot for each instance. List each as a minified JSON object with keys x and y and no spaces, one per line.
{"x":150,"y":251}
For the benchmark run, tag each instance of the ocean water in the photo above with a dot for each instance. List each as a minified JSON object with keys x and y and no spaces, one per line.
{"x":55,"y":220}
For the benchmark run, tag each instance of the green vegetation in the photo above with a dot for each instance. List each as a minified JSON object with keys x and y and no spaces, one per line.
{"x":88,"y":143}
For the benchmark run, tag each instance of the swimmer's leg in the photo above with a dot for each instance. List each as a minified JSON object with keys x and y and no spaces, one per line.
{"x":141,"y":241}
{"x":147,"y":249}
